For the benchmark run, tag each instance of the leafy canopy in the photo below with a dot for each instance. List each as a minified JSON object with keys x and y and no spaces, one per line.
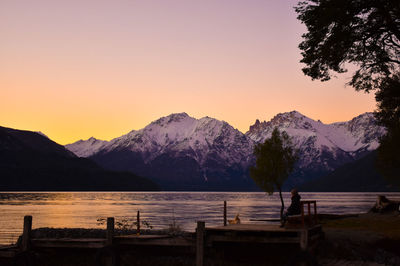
{"x":275,"y":159}
{"x":365,"y":33}
{"x":388,"y":98}
{"x":388,"y":160}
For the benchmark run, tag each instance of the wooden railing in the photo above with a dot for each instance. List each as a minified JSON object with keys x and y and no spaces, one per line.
{"x":311,"y":220}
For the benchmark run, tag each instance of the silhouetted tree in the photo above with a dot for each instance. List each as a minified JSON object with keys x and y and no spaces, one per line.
{"x":275,"y":159}
{"x":365,"y":34}
{"x":388,"y":98}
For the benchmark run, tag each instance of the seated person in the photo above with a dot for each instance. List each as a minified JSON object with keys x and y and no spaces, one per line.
{"x":383,"y":205}
{"x":294,"y":208}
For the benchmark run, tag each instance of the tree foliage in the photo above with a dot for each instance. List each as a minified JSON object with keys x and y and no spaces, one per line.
{"x":388,"y":98}
{"x":275,"y":159}
{"x":365,"y":33}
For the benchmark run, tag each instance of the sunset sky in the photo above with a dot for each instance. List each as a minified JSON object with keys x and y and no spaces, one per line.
{"x":75,"y":69}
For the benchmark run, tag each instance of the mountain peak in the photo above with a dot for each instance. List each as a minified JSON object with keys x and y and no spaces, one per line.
{"x":86,"y":148}
{"x":290,"y":115}
{"x":175,"y":117}
{"x":178,"y":115}
{"x":366,"y":115}
{"x":257,"y":126}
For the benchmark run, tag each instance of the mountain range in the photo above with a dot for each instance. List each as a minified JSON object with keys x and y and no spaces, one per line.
{"x":180,"y":152}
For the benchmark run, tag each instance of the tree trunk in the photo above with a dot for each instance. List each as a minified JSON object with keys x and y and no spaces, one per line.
{"x":283,"y":204}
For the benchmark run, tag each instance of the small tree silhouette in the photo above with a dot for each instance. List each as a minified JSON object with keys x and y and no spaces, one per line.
{"x":275,"y":159}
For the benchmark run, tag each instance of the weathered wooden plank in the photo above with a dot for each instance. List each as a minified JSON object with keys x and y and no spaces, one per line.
{"x":259,"y":228}
{"x":142,"y":236}
{"x":265,"y":220}
{"x":172,"y":241}
{"x":69,"y":243}
{"x":252,"y":239}
{"x":253,"y":228}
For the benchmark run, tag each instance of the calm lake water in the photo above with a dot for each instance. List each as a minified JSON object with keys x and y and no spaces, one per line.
{"x":159,"y":209}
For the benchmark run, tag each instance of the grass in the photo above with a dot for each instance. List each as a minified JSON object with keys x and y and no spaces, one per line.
{"x":386,"y":225}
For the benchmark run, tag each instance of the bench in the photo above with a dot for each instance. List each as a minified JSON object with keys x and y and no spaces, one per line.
{"x":303,"y":219}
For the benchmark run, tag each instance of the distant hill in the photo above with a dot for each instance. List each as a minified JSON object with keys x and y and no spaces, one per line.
{"x":30,"y":161}
{"x":357,"y":176}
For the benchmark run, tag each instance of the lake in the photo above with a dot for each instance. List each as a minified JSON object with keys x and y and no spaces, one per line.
{"x":159,"y":209}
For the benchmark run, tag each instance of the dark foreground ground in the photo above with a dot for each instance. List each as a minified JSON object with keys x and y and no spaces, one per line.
{"x":367,"y":239}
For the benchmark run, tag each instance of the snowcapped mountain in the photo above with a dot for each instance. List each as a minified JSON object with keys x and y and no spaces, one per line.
{"x":177,"y":149}
{"x":177,"y":134}
{"x":86,"y":148}
{"x":357,"y":135}
{"x":180,"y":134}
{"x":181,"y":152}
{"x":322,"y":147}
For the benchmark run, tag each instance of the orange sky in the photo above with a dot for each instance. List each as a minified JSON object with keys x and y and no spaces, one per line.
{"x":76,"y":69}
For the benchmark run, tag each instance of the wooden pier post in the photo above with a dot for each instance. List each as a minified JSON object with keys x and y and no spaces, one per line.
{"x":26,"y":235}
{"x":224,"y":212}
{"x":315,"y":213}
{"x":200,"y":230}
{"x":110,"y":230}
{"x":138,"y":223}
{"x":304,"y":239}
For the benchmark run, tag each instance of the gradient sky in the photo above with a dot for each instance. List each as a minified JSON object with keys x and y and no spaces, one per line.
{"x":75,"y":69}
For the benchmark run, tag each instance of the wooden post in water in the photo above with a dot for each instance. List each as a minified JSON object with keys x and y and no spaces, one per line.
{"x":200,"y":230}
{"x":110,"y":230}
{"x":315,"y":213}
{"x":224,"y":212}
{"x":26,"y":235}
{"x":138,"y":223}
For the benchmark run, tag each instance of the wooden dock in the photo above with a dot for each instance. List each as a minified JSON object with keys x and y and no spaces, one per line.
{"x":204,"y":238}
{"x":304,"y":235}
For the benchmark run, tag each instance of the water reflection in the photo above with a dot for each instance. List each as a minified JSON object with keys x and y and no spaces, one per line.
{"x":82,"y":209}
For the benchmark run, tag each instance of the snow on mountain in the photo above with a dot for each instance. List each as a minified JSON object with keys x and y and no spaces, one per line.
{"x":363,"y":131}
{"x":179,"y":149}
{"x":86,"y":148}
{"x":178,"y":134}
{"x":314,"y":138}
